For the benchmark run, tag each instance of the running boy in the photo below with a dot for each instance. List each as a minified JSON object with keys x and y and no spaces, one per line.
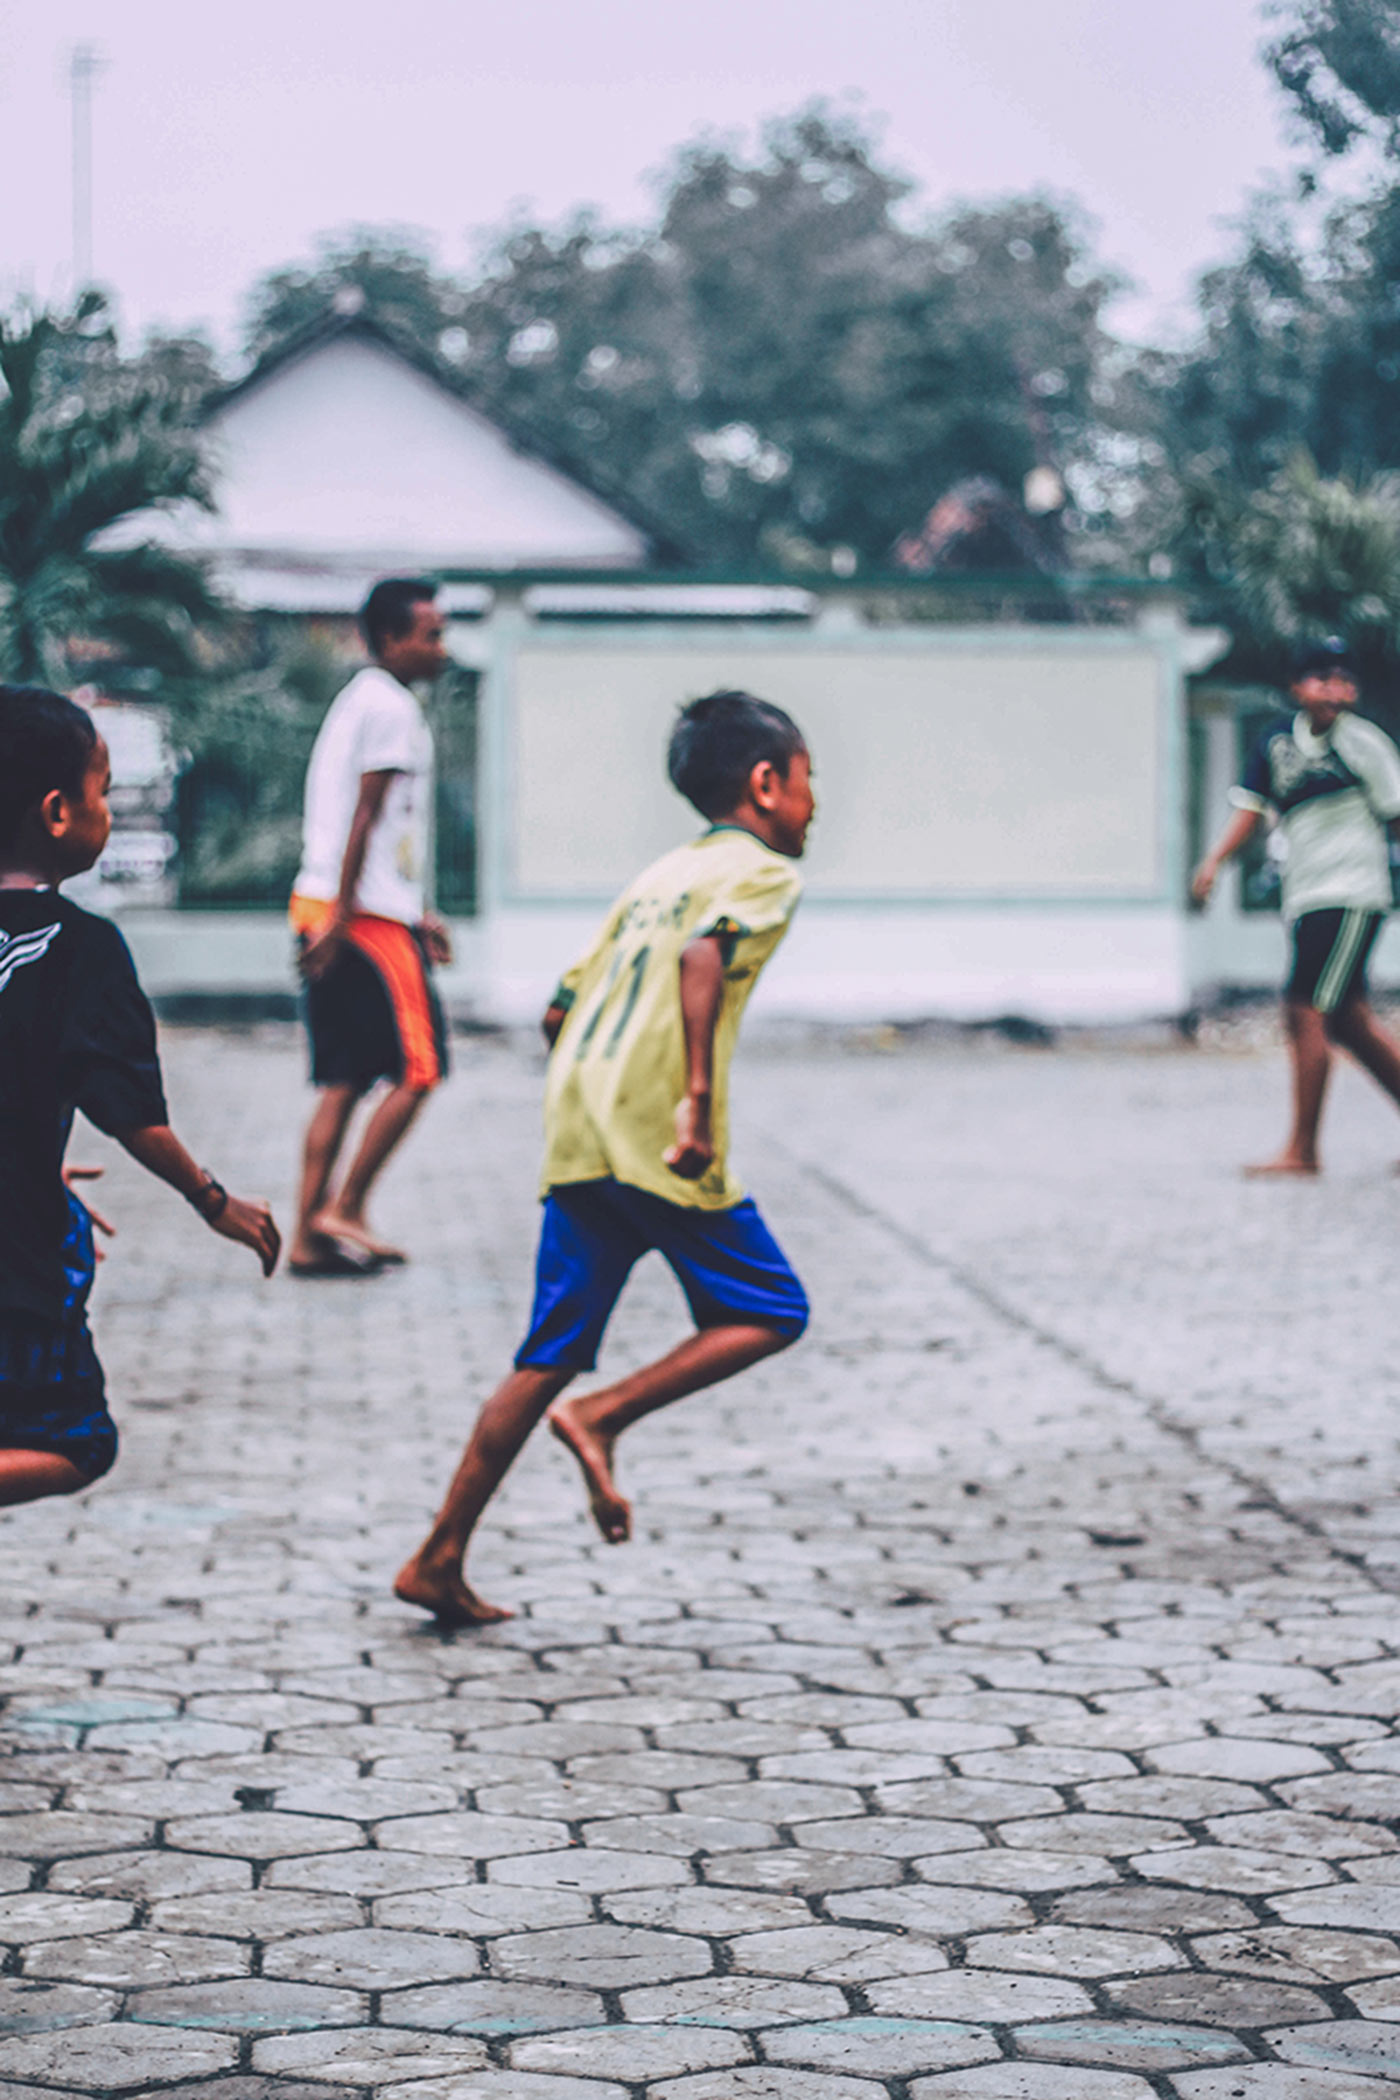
{"x":637,"y":1132}
{"x":75,"y":1032}
{"x":1333,"y":781}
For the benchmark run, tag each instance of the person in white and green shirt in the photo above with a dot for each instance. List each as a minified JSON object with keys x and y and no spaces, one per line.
{"x":642,"y":1030}
{"x":1332,"y":781}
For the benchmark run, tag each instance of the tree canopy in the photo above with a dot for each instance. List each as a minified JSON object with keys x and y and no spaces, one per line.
{"x":87,"y":439}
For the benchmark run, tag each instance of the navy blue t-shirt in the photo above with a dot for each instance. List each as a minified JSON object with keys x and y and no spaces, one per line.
{"x":76,"y":1031}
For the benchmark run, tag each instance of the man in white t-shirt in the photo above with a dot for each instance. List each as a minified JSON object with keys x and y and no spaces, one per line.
{"x":1332,"y":781}
{"x":366,"y":936}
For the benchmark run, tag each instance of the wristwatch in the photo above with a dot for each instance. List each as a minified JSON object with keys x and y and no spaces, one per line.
{"x":210,"y":1199}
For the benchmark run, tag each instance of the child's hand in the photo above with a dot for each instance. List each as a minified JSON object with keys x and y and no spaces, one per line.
{"x":694,"y":1148}
{"x":251,"y":1225}
{"x":435,"y":938}
{"x":72,"y":1174}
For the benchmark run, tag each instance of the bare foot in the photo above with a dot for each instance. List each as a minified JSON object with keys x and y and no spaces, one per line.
{"x":1286,"y":1164}
{"x":441,"y":1591}
{"x":611,"y":1514}
{"x":333,"y":1225}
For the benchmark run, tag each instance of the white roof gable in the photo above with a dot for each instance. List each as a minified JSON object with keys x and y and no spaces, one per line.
{"x":349,"y":455}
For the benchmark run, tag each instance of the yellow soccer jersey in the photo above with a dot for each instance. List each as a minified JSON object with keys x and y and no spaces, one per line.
{"x":618,"y":1071}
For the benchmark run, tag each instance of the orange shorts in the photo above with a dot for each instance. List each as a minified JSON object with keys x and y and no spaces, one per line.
{"x":374,"y":1013}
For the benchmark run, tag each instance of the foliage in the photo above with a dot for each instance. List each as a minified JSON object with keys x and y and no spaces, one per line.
{"x":246,"y":727}
{"x":781,"y":361}
{"x":1339,"y":63}
{"x":87,"y":439}
{"x":1309,"y":555}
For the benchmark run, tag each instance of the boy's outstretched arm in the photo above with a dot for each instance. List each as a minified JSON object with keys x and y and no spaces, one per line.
{"x":159,"y":1151}
{"x":1238,"y":832}
{"x":702,"y":990}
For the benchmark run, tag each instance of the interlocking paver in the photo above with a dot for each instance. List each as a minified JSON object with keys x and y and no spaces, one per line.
{"x":1019,"y":1655}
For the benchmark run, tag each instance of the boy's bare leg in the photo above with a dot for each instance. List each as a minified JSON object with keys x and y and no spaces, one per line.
{"x":433,"y":1578}
{"x":1312,"y":1063}
{"x":325,"y":1134}
{"x":591,"y":1424}
{"x":1356,"y":1028}
{"x":27,"y":1476}
{"x":343,"y":1217}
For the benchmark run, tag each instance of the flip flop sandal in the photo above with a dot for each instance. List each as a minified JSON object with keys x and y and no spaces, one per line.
{"x":335,"y":1262}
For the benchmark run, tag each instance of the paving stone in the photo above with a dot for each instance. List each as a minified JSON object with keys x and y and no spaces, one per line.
{"x":1369,"y":2047}
{"x":492,"y":2084}
{"x":1135,"y":1908}
{"x":1242,"y":2002}
{"x":1101,"y":1834}
{"x":602,"y":1957}
{"x":1130,"y":2045}
{"x":1032,"y":2082}
{"x":631,"y":2053}
{"x":62,"y":1834}
{"x":1358,"y":1906}
{"x":1233,"y":1867}
{"x":364,"y":2056}
{"x":41,"y":1915}
{"x":1257,"y":1759}
{"x":762,"y":2083}
{"x":791,"y":1869}
{"x":264,"y":1835}
{"x":493,"y":2008}
{"x":371,"y":1958}
{"x":1299,"y":1954}
{"x":251,"y":2003}
{"x":256,"y":1914}
{"x":463,"y":1834}
{"x":1282,"y":2082}
{"x":1016,"y":1867}
{"x":945,"y":1913}
{"x":1289,"y":1830}
{"x":366,"y":1873}
{"x":734,"y":2001}
{"x":713,"y":1913}
{"x":983,"y":1996}
{"x":592,"y":1868}
{"x":1374,"y":2001}
{"x":865,"y":2042}
{"x":33,"y":2006}
{"x":134,"y":1960}
{"x":1071,"y":1950}
{"x":482,"y":1911}
{"x":112,"y":2059}
{"x":834,"y":1954}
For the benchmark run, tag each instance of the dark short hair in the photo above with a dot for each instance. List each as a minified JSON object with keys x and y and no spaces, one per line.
{"x":718,"y":741}
{"x":1325,"y":658}
{"x":387,"y":613}
{"x":46,"y":742}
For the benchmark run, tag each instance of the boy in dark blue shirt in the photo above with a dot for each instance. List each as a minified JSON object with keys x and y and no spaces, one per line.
{"x":75,"y":1032}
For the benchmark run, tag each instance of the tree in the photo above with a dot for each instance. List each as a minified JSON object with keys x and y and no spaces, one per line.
{"x":87,"y":439}
{"x":1339,"y":63}
{"x":782,"y":366}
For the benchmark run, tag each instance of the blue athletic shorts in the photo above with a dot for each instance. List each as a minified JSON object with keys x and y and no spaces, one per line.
{"x":592,"y":1235}
{"x":52,"y":1393}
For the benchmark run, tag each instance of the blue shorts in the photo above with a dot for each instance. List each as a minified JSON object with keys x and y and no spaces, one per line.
{"x":593,"y":1234}
{"x":52,"y":1393}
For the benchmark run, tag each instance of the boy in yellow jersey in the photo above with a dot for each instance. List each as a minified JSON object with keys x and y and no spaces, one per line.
{"x":637,"y":1132}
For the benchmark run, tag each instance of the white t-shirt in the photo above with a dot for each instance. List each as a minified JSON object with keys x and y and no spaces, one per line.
{"x":1333,"y":796}
{"x":374,"y":726}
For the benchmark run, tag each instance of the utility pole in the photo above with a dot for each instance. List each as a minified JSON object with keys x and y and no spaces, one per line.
{"x":84,"y":66}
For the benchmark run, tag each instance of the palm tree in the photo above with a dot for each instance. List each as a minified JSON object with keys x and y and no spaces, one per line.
{"x":1309,"y":555}
{"x":87,"y":440}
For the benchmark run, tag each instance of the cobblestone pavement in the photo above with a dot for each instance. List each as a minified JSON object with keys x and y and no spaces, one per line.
{"x":997,"y":1704}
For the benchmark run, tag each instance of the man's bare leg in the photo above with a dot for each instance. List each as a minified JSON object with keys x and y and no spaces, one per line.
{"x":433,"y":1579}
{"x":1356,"y":1028}
{"x":325,"y":1134}
{"x":591,"y":1424}
{"x":1312,"y":1063}
{"x":27,"y":1476}
{"x":343,"y":1217}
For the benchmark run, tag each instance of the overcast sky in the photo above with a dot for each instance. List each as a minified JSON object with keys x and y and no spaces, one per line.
{"x":228,"y":136}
